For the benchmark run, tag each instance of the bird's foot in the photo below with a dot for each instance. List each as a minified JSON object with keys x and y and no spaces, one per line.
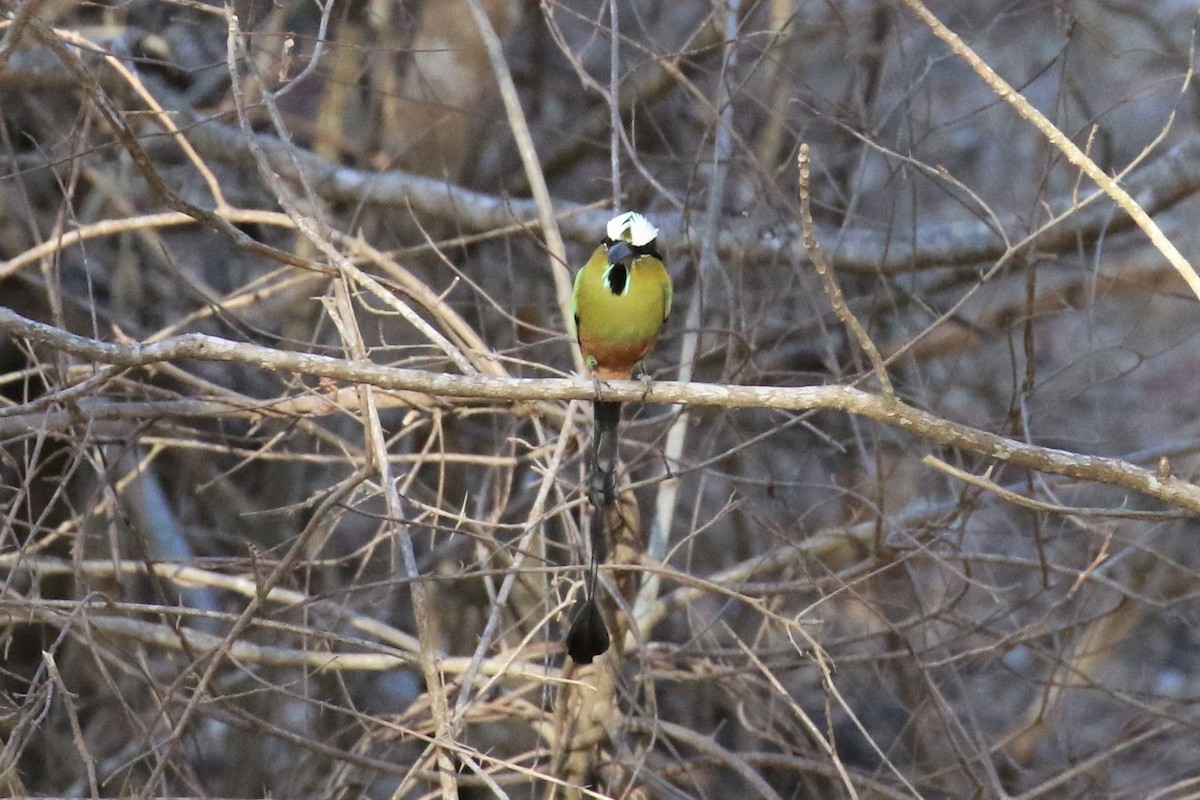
{"x":647,"y":381}
{"x":594,"y":371}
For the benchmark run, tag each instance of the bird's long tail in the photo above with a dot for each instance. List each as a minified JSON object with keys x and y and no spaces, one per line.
{"x":602,"y":482}
{"x":588,"y":636}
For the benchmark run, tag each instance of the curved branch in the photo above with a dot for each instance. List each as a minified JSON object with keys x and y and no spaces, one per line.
{"x":1100,"y":469}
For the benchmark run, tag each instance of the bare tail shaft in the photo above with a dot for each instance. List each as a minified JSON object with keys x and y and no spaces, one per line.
{"x":602,"y":483}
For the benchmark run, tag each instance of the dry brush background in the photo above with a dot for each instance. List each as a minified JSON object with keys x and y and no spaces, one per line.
{"x":290,"y":499}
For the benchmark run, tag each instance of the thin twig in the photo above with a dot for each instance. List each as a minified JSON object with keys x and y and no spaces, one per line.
{"x":1057,"y":138}
{"x":614,"y":101}
{"x":1018,"y":499}
{"x":1159,"y":186}
{"x":205,"y":668}
{"x":12,"y":36}
{"x":668,"y":492}
{"x":704,"y":743}
{"x":533,"y":168}
{"x":500,"y":603}
{"x":68,"y":702}
{"x":832,"y":290}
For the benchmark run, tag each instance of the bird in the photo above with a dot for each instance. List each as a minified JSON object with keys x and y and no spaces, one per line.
{"x":621,"y":300}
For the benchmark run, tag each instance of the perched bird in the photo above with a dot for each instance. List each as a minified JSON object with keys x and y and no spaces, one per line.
{"x":622,"y":297}
{"x":621,"y":300}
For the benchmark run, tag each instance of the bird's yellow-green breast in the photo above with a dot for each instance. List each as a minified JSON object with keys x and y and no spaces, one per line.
{"x":622,"y":297}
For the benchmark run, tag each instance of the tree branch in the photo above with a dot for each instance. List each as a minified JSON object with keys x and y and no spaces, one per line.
{"x":1100,"y":469}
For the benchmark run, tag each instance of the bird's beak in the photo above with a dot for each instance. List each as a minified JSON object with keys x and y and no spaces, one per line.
{"x":620,"y":251}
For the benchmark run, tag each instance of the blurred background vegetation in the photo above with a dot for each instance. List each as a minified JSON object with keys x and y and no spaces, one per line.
{"x":833,"y":616}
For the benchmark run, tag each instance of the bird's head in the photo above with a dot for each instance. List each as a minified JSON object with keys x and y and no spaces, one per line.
{"x":630,"y":235}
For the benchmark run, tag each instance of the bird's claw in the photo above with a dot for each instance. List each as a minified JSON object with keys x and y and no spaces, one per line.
{"x":594,"y":371}
{"x":647,"y":381}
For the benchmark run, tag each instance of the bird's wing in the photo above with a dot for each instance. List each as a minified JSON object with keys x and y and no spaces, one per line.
{"x":668,"y":294}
